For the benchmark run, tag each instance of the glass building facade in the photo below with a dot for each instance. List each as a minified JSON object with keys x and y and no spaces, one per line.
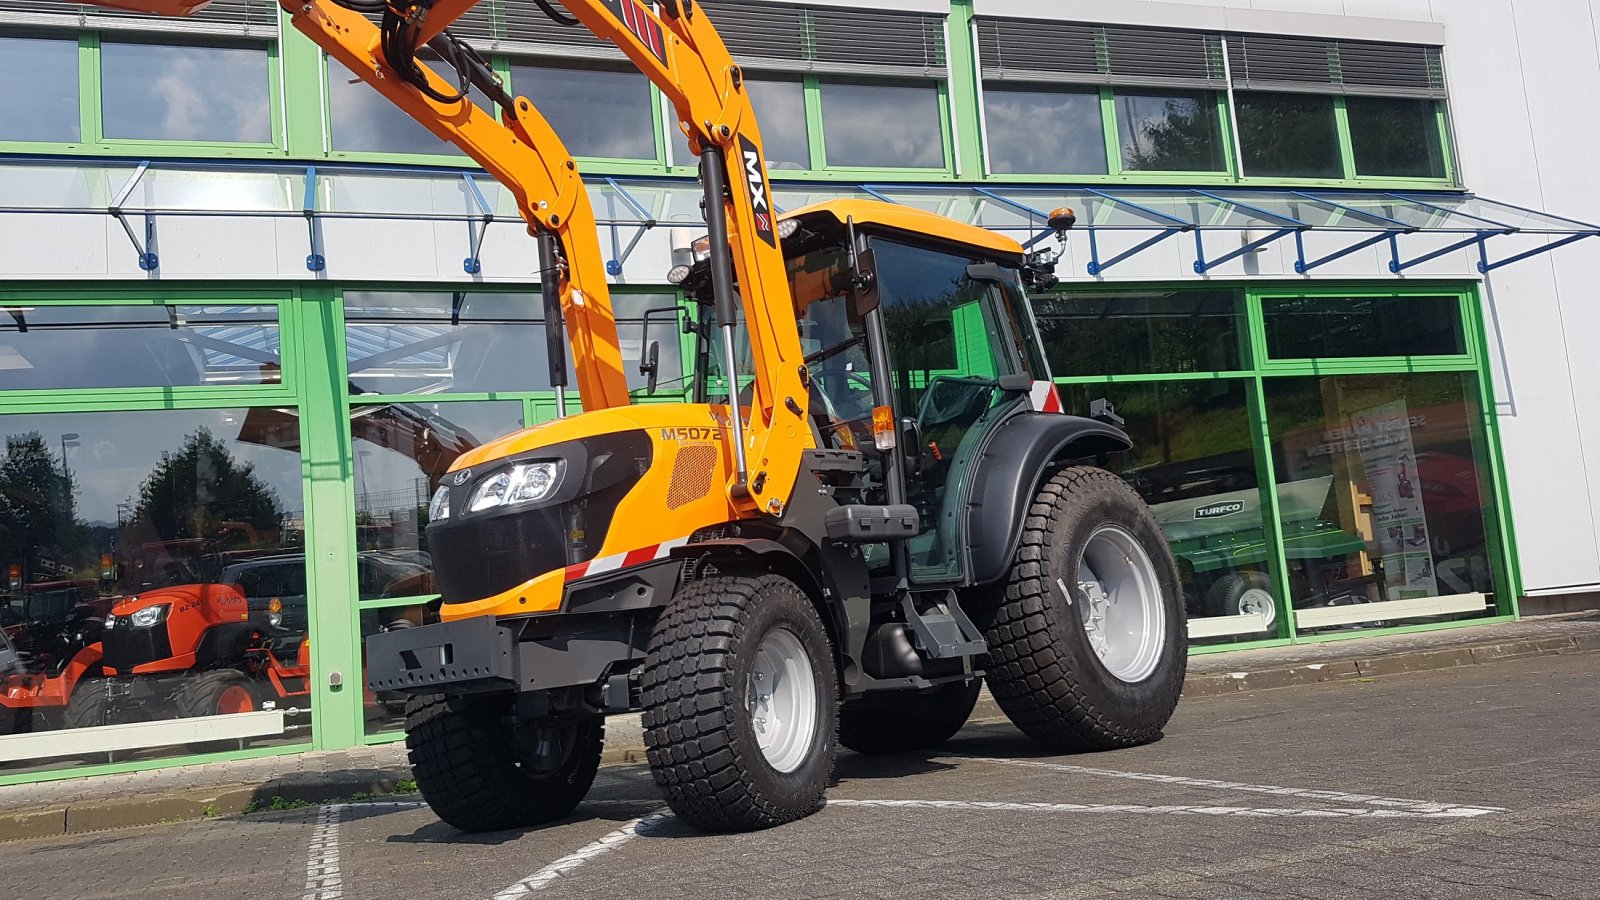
{"x":213,"y":488}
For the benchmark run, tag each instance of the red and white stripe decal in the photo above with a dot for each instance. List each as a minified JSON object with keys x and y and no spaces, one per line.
{"x":1043,"y":397}
{"x":624,"y":560}
{"x":640,"y":23}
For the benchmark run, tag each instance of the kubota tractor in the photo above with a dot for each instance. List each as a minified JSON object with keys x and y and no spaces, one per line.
{"x":192,"y":649}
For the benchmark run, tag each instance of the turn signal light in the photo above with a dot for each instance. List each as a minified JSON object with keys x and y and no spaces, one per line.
{"x":883,"y":430}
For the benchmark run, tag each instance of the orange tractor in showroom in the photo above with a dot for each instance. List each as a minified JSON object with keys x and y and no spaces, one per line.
{"x":872,"y":500}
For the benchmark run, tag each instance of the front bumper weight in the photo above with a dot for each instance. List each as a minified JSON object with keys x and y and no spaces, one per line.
{"x":466,"y":654}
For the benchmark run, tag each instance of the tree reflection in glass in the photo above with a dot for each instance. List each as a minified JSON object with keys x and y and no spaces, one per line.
{"x":1171,"y":132}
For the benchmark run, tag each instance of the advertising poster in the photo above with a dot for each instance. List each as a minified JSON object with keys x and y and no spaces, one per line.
{"x":1384,"y":437}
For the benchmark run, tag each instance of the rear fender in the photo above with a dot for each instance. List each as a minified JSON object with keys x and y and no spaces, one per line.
{"x":1008,"y":472}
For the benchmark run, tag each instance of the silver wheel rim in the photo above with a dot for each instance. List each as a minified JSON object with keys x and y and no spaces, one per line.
{"x":1257,"y":601}
{"x":1121,"y":604}
{"x":781,"y":697}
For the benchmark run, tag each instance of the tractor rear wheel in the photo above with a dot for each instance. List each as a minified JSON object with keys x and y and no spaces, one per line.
{"x":901,"y":722}
{"x":480,"y":770}
{"x":740,"y":703}
{"x":221,"y":692}
{"x":1088,"y":643}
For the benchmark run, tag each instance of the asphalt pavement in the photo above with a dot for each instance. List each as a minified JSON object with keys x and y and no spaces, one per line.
{"x":1476,"y":781}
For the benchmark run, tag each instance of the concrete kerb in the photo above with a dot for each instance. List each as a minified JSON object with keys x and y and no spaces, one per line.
{"x":625,"y":744}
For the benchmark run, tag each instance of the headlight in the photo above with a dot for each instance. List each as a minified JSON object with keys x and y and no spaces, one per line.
{"x":439,"y":506}
{"x":275,"y":612}
{"x":150,"y":615}
{"x":528,"y":483}
{"x":111,"y":622}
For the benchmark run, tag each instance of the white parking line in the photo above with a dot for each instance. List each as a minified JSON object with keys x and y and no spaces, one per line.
{"x":1393,"y":803}
{"x":1135,"y":808}
{"x":546,"y":876}
{"x":323,"y":881}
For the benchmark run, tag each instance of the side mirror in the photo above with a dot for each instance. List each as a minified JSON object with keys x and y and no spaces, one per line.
{"x":650,"y":366}
{"x":911,"y":444}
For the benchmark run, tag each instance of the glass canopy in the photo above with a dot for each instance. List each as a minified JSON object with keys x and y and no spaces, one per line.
{"x":626,"y":208}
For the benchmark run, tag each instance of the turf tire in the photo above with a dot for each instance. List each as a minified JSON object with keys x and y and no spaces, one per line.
{"x":1042,"y":670}
{"x":698,"y":733}
{"x":465,"y":757}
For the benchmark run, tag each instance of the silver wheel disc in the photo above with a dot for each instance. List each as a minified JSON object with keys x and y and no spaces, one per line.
{"x":1257,"y":601}
{"x":1120,"y":603}
{"x":781,"y":697}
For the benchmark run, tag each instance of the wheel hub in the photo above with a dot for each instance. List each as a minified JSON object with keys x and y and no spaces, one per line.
{"x":1122,"y":609}
{"x":781,"y":699}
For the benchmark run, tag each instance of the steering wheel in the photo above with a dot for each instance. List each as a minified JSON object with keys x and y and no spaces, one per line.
{"x":936,"y":411}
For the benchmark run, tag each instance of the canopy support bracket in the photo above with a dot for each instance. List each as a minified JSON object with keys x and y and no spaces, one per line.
{"x":476,"y":231}
{"x":1397,"y":266}
{"x":1203,"y":265}
{"x":1301,"y":267}
{"x":1096,"y":266}
{"x":619,"y":253}
{"x":315,"y":261}
{"x":148,"y":260}
{"x":1485,"y":266}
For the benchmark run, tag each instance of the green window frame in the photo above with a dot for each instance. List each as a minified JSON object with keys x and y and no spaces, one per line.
{"x":1116,"y":172}
{"x":1347,"y":159}
{"x":92,"y":140}
{"x":1258,"y":370}
{"x":819,"y":170}
{"x":290,"y":360}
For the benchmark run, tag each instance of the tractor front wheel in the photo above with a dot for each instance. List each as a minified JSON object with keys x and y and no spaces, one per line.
{"x":740,"y":703}
{"x":481,"y":770}
{"x":221,"y":692}
{"x":1088,"y":642}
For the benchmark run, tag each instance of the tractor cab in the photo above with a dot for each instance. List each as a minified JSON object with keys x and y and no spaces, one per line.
{"x":918,"y":344}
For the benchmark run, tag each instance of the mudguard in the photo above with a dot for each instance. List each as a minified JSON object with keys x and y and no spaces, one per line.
{"x":1008,"y":472}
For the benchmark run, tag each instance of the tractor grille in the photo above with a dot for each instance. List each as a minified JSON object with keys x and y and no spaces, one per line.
{"x":127,"y":647}
{"x":479,"y":559}
{"x":691,"y":474}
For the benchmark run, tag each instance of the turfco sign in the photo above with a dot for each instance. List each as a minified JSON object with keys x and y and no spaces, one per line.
{"x":1218,"y":510}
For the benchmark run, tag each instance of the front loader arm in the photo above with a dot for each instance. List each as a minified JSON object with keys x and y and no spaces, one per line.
{"x":682,"y":53}
{"x":524,"y":154}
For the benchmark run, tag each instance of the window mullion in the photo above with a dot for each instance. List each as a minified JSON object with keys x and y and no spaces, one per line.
{"x":1108,"y":126}
{"x":89,"y":89}
{"x":814,"y":138}
{"x":1347,"y":152}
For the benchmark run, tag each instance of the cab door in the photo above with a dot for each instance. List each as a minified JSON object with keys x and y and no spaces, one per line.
{"x":957,"y":345}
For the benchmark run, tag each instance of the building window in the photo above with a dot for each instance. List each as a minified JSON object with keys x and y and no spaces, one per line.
{"x":178,"y":92}
{"x":780,"y":107}
{"x":1170,"y":131}
{"x":1396,"y":137}
{"x":44,"y":105}
{"x":882,"y":125}
{"x":1381,"y":493}
{"x":1343,"y":327}
{"x":134,"y":346}
{"x":599,"y":113}
{"x":1137,"y":333}
{"x":1044,"y":132}
{"x":365,"y":121}
{"x":126,"y":536}
{"x":1288,"y":135}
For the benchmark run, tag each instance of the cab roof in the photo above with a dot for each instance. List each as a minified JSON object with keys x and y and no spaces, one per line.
{"x":911,"y":220}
